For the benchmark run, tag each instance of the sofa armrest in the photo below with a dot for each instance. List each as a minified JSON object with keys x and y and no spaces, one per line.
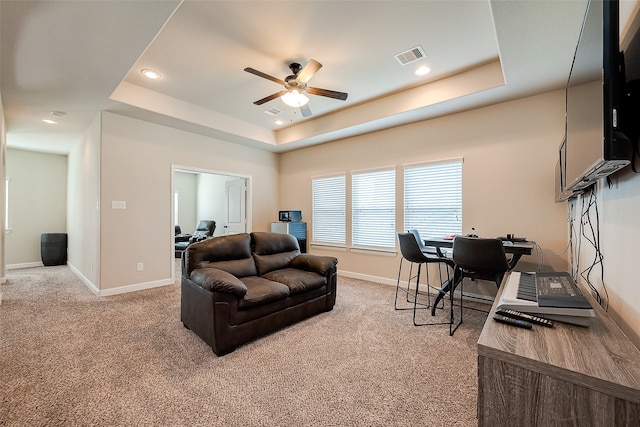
{"x":215,"y":280}
{"x":317,"y":263}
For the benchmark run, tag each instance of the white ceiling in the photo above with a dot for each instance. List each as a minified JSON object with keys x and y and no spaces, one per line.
{"x":82,"y":57}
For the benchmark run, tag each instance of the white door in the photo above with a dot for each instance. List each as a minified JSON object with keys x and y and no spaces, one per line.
{"x":235,"y":206}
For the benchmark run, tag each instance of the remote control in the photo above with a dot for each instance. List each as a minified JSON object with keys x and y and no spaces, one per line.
{"x":524,"y":316}
{"x":512,"y":321}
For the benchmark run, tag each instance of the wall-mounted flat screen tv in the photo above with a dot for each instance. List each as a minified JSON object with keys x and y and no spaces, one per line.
{"x":562,"y":193}
{"x":594,"y":145}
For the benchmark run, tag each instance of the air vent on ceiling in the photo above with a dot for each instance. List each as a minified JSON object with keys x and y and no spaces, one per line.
{"x":411,"y":55}
{"x":272,"y":111}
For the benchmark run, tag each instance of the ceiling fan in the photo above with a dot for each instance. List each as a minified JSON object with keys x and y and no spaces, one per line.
{"x":294,"y":86}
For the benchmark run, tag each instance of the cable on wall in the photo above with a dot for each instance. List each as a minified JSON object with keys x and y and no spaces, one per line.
{"x":590,"y":233}
{"x":574,"y":261}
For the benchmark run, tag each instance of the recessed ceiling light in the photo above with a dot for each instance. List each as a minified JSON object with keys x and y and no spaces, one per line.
{"x":50,"y":122}
{"x":58,"y":114}
{"x":151,"y":74}
{"x":423,"y":71}
{"x":278,"y":122}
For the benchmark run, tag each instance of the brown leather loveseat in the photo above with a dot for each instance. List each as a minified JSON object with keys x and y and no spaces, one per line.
{"x":236,"y":288}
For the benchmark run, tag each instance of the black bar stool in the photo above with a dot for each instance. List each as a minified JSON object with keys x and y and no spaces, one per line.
{"x":411,"y":251}
{"x":477,"y":259}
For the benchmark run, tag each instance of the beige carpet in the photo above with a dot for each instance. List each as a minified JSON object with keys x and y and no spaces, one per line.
{"x":71,"y":358}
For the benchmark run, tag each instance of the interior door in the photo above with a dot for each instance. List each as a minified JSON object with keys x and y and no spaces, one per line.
{"x":235,"y":206}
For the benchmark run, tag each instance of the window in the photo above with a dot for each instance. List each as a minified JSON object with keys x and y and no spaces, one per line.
{"x":373,"y":209}
{"x":433,"y":198}
{"x":328,"y":211}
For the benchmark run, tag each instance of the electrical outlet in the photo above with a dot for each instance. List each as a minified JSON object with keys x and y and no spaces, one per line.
{"x":118,"y":204}
{"x":140,"y":266}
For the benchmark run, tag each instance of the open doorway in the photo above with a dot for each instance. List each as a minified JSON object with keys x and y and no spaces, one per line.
{"x":200,"y":194}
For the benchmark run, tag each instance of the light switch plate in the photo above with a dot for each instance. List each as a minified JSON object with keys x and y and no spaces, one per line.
{"x":118,"y":204}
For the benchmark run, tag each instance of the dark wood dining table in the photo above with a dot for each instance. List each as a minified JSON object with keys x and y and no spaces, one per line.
{"x":516,"y":249}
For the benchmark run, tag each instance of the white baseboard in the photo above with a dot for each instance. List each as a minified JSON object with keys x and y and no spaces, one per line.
{"x":376,"y":279}
{"x":93,"y":288}
{"x":476,"y":293}
{"x":136,"y":287}
{"x":24,"y":265}
{"x":121,"y":289}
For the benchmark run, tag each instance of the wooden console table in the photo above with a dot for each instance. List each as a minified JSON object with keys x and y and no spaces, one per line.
{"x":562,"y":376}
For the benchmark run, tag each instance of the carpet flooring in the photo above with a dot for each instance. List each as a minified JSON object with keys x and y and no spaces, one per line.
{"x":68,"y":357}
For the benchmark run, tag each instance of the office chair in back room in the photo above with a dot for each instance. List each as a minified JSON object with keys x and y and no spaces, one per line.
{"x":411,"y":251}
{"x":477,"y":259}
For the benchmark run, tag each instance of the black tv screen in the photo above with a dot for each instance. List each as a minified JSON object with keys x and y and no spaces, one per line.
{"x":594,"y":145}
{"x":560,"y":175}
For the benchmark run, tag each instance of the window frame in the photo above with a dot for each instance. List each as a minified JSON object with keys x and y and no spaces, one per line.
{"x":446,"y":226}
{"x":317,"y":220}
{"x":362,"y":214}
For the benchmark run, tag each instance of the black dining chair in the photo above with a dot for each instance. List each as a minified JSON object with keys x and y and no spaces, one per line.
{"x":411,"y":251}
{"x":433,"y":250}
{"x":425,"y":249}
{"x":477,"y":259}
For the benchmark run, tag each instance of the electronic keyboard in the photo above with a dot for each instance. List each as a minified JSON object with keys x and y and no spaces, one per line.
{"x":553,"y":294}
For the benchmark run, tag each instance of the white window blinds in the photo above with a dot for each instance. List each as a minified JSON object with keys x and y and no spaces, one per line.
{"x":433,"y":198}
{"x":373,"y":209}
{"x":329,"y":211}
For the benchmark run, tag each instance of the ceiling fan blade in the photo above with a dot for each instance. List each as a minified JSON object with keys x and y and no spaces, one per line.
{"x":305,"y":110}
{"x":263,"y":75}
{"x":328,"y":93}
{"x":270,"y":97}
{"x":308,"y":71}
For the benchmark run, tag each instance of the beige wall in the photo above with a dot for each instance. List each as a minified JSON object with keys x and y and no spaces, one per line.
{"x":619,"y":234}
{"x":83,"y":214}
{"x":37,"y":203}
{"x":136,"y":167}
{"x":509,"y":152}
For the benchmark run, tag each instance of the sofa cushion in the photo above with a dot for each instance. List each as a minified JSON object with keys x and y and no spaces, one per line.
{"x":261,"y":291}
{"x":316,"y":263}
{"x":237,"y":267}
{"x":267,"y":263}
{"x":215,"y":280}
{"x":273,"y":251}
{"x":298,"y":281}
{"x":266,"y":243}
{"x":233,"y":247}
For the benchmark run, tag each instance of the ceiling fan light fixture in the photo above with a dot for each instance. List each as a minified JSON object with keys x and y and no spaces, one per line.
{"x":294,"y":98}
